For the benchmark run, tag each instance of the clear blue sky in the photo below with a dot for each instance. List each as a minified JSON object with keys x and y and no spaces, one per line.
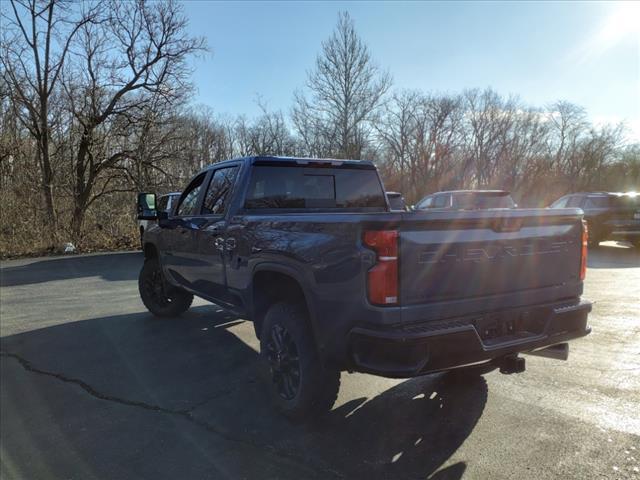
{"x":586,"y":53}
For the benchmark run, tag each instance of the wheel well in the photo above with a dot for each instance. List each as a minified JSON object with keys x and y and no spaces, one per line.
{"x":150,"y":251}
{"x":270,"y":287}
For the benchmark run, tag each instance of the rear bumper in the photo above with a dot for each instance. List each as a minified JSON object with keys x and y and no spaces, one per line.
{"x":429,"y":347}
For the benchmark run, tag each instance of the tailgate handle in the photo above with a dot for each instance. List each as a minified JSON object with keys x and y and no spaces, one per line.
{"x":506,"y":224}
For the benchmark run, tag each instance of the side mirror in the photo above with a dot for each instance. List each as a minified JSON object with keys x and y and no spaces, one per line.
{"x":147,"y":206}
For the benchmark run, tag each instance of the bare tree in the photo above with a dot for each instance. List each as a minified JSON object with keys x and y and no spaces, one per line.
{"x":396,"y":130}
{"x":132,"y":61}
{"x":345,"y":88}
{"x":34,"y":49}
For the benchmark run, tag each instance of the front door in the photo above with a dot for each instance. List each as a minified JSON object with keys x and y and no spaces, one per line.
{"x":181,"y":255}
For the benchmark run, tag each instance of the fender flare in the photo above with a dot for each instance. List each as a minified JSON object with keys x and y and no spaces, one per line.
{"x":297,"y":275}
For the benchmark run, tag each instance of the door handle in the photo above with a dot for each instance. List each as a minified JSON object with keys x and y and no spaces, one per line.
{"x":230,"y":243}
{"x":219,"y":243}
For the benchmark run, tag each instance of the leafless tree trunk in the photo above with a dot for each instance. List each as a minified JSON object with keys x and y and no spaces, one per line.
{"x":34,"y":51}
{"x":110,"y":97}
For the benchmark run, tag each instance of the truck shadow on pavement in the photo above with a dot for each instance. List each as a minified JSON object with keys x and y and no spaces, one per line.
{"x":198,"y":370}
{"x":109,"y":266}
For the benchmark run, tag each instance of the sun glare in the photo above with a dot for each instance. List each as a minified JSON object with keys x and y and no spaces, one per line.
{"x":623,"y":21}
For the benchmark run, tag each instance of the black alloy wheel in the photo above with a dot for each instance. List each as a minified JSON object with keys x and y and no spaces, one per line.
{"x":284,"y":362}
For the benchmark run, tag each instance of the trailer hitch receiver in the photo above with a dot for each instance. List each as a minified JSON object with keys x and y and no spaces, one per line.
{"x":512,"y":364}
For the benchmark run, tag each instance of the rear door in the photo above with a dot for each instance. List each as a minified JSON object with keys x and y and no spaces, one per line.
{"x":464,"y":255}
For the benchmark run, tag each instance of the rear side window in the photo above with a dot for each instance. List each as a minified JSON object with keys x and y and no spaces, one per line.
{"x":441,"y":201}
{"x":574,"y":201}
{"x":597,"y":202}
{"x":476,"y":200}
{"x":295,"y":187}
{"x":626,"y":201}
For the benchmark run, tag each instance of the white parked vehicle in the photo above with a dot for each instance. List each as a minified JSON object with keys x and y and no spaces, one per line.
{"x":165,"y":204}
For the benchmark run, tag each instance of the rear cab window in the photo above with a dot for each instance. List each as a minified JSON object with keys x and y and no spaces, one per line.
{"x":302,"y":187}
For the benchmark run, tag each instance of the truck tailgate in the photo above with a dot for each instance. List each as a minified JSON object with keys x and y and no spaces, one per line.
{"x":446,"y":256}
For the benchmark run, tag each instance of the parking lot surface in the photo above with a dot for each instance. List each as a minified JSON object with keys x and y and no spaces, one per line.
{"x":92,"y":386}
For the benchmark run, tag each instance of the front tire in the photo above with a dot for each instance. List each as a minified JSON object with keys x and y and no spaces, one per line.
{"x":299,"y":384}
{"x":160,"y":298}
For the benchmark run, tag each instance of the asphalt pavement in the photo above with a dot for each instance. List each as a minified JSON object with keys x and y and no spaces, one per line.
{"x":92,"y":386}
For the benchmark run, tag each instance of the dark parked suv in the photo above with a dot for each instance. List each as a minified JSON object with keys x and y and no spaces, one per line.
{"x":608,"y":215}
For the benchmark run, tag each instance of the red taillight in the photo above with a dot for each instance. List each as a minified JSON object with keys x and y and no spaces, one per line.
{"x":585,"y":248}
{"x":383,"y":276}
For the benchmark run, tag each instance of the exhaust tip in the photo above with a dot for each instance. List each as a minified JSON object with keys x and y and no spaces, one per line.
{"x":557,"y":352}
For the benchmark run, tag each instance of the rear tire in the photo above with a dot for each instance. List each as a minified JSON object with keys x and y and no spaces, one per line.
{"x":299,"y":385}
{"x":160,"y":298}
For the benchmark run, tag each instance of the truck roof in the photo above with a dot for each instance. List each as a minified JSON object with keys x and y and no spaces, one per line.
{"x":272,"y":159}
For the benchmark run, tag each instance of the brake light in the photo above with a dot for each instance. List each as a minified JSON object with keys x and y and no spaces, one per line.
{"x":383,"y":276}
{"x":583,"y":255}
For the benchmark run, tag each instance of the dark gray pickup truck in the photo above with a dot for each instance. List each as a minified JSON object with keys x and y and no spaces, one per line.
{"x":333,"y":280}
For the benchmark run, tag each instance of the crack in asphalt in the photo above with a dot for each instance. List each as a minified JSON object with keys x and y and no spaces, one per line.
{"x":185,"y":414}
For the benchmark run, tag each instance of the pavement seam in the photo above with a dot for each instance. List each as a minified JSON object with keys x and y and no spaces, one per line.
{"x":186,"y":414}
